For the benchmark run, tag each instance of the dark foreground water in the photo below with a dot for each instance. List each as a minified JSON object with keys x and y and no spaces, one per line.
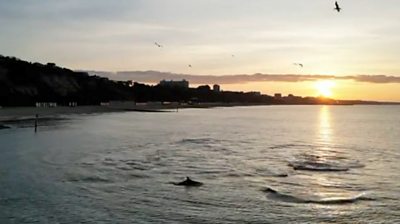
{"x":277,"y":164}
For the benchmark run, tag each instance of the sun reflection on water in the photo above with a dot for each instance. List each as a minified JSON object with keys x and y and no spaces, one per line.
{"x":325,"y":129}
{"x":327,"y":185}
{"x":324,"y":150}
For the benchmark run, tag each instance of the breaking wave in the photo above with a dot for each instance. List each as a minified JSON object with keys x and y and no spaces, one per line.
{"x":317,"y":166}
{"x":324,"y":163}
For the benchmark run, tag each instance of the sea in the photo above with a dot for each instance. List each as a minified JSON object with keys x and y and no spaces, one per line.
{"x":260,"y":164}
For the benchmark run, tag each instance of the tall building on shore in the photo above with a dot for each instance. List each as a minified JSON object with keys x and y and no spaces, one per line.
{"x":216,"y":88}
{"x":171,"y":83}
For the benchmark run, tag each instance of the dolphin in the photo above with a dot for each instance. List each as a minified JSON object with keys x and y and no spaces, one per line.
{"x":269,"y":190}
{"x":189,"y":183}
{"x":4,"y":127}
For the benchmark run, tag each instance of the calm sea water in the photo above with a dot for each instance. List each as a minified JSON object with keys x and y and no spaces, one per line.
{"x":273,"y":164}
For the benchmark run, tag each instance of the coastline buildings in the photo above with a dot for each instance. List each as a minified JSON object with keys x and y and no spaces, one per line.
{"x":278,"y":95}
{"x":46,"y":104}
{"x":255,"y":93}
{"x":216,"y":88}
{"x":171,"y":83}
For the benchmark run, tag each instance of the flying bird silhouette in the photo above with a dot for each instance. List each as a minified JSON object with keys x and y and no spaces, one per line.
{"x":190,"y":66}
{"x":157,"y":44}
{"x":298,"y":64}
{"x":337,"y":7}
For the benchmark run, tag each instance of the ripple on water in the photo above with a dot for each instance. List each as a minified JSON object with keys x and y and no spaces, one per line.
{"x":329,"y":162}
{"x":108,"y":170}
{"x":313,"y":199}
{"x":87,"y":178}
{"x":199,"y":141}
{"x":289,"y":146}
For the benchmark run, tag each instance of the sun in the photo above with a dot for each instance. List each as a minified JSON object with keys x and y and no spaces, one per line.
{"x":324,"y":87}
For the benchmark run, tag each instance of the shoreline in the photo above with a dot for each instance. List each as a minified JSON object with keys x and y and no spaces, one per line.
{"x":10,"y":114}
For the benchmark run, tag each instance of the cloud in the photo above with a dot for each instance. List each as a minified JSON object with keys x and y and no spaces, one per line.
{"x":376,"y":78}
{"x":156,"y":76}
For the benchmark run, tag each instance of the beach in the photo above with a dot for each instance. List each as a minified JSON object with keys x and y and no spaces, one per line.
{"x":9,"y":114}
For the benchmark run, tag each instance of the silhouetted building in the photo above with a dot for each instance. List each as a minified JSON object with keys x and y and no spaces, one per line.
{"x":292,"y":99}
{"x":278,"y":95}
{"x":46,"y":104}
{"x":172,"y":83}
{"x":205,"y":88}
{"x":72,"y":104}
{"x":216,"y":88}
{"x":255,"y":93}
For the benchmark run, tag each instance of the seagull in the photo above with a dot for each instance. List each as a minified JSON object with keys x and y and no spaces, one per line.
{"x":337,"y":7}
{"x":298,"y":64}
{"x":157,"y":44}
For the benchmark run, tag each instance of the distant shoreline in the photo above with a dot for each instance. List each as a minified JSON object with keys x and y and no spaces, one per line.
{"x":21,"y":113}
{"x":8,"y":114}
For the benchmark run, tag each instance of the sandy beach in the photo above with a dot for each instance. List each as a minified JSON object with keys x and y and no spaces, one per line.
{"x":22,"y":113}
{"x":9,"y":114}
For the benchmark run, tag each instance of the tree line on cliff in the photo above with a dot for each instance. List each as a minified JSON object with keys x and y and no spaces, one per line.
{"x":25,"y":83}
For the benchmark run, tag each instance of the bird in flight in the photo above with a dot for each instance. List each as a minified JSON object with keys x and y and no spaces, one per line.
{"x":189,"y":66}
{"x":298,"y":64}
{"x":337,"y":7}
{"x":157,"y":44}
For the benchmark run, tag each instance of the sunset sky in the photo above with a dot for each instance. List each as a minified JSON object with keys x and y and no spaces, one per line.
{"x":265,"y":36}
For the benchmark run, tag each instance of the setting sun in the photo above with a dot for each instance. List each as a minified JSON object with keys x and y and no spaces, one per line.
{"x":324,"y":87}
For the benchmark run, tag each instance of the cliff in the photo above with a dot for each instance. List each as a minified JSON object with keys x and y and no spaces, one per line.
{"x":23,"y":84}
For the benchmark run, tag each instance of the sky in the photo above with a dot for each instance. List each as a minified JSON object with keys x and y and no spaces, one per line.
{"x":264,"y":36}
